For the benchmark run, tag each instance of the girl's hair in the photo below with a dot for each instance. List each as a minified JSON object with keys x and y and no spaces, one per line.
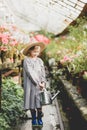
{"x":31,"y":49}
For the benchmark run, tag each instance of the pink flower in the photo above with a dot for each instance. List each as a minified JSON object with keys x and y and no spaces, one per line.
{"x":5,"y":40}
{"x":14,"y":42}
{"x":11,"y":60}
{"x":8,"y":40}
{"x":64,"y":37}
{"x":66,"y":58}
{"x":1,"y":35}
{"x":3,"y":48}
{"x":40,"y":38}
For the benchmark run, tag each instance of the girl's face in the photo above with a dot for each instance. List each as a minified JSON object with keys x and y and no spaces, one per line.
{"x":35,"y":52}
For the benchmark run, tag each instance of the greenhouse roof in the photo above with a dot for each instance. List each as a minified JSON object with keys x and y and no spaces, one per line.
{"x":50,"y":15}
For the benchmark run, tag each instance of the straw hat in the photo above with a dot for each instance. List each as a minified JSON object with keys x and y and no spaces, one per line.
{"x":42,"y":45}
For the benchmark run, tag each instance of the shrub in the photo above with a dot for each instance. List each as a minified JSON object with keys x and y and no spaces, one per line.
{"x":12,"y":101}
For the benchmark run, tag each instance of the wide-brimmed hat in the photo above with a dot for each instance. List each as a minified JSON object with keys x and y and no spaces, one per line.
{"x":26,"y":50}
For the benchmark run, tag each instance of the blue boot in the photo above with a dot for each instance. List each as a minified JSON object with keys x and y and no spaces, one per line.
{"x":34,"y":121}
{"x":40,"y":122}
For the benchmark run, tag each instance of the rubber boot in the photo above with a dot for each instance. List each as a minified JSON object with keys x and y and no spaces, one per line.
{"x":34,"y":121}
{"x":39,"y":118}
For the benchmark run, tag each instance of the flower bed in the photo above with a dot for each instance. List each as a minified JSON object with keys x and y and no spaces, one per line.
{"x":70,"y":55}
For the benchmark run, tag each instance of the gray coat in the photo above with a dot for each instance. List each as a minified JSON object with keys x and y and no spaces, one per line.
{"x":33,"y":74}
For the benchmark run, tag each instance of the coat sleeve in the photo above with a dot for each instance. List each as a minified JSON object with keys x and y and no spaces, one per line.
{"x":30,"y":72}
{"x":43,"y":74}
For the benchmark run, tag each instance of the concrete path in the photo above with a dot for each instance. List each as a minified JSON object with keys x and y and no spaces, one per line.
{"x":50,"y":119}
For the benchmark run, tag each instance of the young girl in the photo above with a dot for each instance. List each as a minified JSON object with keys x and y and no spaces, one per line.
{"x":34,"y":81}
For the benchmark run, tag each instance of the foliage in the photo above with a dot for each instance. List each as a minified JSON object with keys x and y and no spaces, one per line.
{"x":70,"y":50}
{"x":78,"y":32}
{"x":79,"y":64}
{"x":45,"y":33}
{"x":52,"y":50}
{"x":12,"y":102}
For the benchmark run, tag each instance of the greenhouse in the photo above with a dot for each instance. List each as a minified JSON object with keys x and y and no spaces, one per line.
{"x":43,"y":65}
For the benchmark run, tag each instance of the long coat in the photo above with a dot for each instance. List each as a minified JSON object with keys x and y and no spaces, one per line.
{"x":33,"y":74}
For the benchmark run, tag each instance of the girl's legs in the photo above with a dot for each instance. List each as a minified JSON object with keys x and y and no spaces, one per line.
{"x":38,"y":111}
{"x":33,"y":114}
{"x":39,"y":116}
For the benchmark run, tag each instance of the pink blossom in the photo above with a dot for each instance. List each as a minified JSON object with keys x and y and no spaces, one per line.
{"x":66,"y":58}
{"x":11,"y":60}
{"x":41,"y":38}
{"x":1,"y":35}
{"x":14,"y":42}
{"x":64,"y":37}
{"x":5,"y":40}
{"x":6,"y":37}
{"x":3,"y":48}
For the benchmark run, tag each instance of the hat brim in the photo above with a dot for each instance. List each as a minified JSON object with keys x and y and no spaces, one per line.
{"x":26,"y":50}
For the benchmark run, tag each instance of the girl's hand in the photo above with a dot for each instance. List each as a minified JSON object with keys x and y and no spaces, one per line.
{"x":42,"y":85}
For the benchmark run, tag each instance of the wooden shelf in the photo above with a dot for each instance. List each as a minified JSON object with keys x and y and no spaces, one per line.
{"x":9,"y":65}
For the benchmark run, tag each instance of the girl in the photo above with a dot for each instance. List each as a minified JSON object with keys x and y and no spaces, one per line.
{"x":34,"y":81}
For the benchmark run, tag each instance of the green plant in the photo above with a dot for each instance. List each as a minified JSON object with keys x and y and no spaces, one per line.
{"x":12,"y":102}
{"x":70,"y":51}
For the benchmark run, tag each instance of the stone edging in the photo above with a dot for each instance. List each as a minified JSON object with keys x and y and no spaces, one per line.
{"x":79,"y":101}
